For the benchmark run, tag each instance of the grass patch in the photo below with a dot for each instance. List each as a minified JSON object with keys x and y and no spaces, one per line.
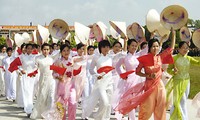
{"x":194,"y":79}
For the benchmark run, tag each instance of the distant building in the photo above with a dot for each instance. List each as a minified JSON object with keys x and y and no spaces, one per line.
{"x":6,"y":30}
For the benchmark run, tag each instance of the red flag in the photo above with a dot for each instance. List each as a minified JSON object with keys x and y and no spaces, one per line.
{"x":105,"y":69}
{"x":33,"y":73}
{"x":14,"y":65}
{"x":57,"y":69}
{"x":125,"y":75}
{"x":76,"y":72}
{"x":19,"y":51}
{"x":34,"y":52}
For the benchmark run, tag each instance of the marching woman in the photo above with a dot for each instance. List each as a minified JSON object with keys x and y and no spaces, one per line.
{"x":28,"y":80}
{"x":20,"y":78}
{"x":2,"y":81}
{"x":116,"y":53}
{"x":89,"y":79}
{"x":130,"y":62}
{"x":10,"y":78}
{"x":80,"y":61}
{"x":180,"y":82}
{"x":103,"y":86}
{"x":65,"y":91}
{"x":154,"y":89}
{"x":45,"y":97}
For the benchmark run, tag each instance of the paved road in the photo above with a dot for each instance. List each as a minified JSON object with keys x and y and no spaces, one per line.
{"x":9,"y":111}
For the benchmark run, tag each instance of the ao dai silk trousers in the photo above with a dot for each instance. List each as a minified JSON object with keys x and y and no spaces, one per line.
{"x":155,"y":103}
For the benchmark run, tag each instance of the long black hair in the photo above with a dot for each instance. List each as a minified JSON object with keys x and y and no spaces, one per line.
{"x":150,"y":43}
{"x":182,"y":43}
{"x":63,"y":46}
{"x":130,"y":41}
{"x":103,"y":44}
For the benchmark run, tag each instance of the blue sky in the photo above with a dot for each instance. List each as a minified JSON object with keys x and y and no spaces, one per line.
{"x":22,"y":12}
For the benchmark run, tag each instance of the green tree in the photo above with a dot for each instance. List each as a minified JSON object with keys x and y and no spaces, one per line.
{"x":2,"y":41}
{"x":197,"y":24}
{"x":190,"y":22}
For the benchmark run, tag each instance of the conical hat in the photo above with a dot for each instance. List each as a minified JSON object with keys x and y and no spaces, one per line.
{"x":99,"y":29}
{"x":119,"y":27}
{"x":34,"y":36}
{"x":19,"y":40}
{"x":82,"y":32}
{"x":138,"y":31}
{"x":152,"y":20}
{"x":59,"y":29}
{"x":196,"y":38}
{"x":76,"y":39}
{"x":26,"y":37}
{"x":174,"y":16}
{"x":129,"y":32}
{"x":44,"y":33}
{"x":163,"y":31}
{"x":185,"y":34}
{"x":114,"y":33}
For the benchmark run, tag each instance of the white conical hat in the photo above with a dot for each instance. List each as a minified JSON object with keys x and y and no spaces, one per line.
{"x":196,"y":38}
{"x":58,"y":28}
{"x":34,"y":36}
{"x":99,"y":29}
{"x":26,"y":37}
{"x":114,"y":33}
{"x":19,"y":40}
{"x":44,"y":33}
{"x":152,"y":20}
{"x":185,"y":34}
{"x":138,"y":31}
{"x":129,"y":32}
{"x":82,"y":32}
{"x":119,"y":27}
{"x":174,"y":16}
{"x":76,"y":39}
{"x":163,"y":31}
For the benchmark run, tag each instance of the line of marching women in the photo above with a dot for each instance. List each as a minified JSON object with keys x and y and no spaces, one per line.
{"x":117,"y":81}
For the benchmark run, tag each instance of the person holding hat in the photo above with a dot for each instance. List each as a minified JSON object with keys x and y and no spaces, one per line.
{"x":130,"y":62}
{"x":80,"y":61}
{"x":103,"y":85}
{"x":180,"y":82}
{"x":150,"y":94}
{"x":153,"y":98}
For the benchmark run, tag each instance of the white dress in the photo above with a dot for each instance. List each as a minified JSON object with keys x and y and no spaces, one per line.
{"x":102,"y":90}
{"x":45,"y":97}
{"x":28,"y":65}
{"x":2,"y":81}
{"x":79,"y":79}
{"x":20,"y":86}
{"x":10,"y":78}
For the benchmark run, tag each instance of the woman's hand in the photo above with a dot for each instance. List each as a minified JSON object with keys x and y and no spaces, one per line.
{"x":60,"y":78}
{"x":175,"y":70}
{"x":151,"y":76}
{"x":99,"y":77}
{"x":23,"y":72}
